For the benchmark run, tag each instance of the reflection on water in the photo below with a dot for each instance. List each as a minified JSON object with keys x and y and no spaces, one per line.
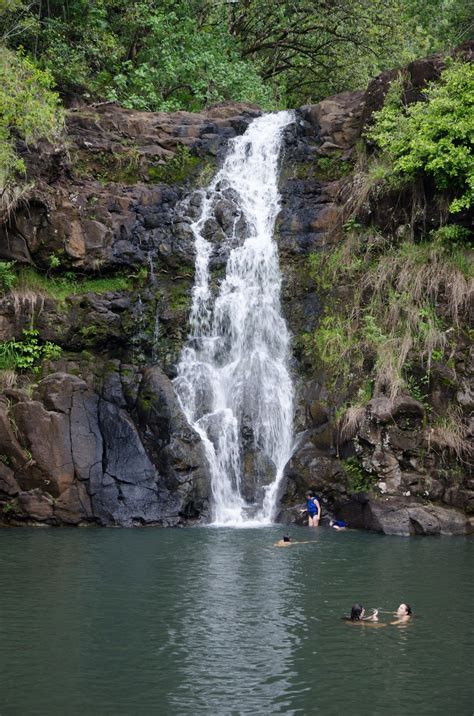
{"x":218,"y":621}
{"x":239,"y":615}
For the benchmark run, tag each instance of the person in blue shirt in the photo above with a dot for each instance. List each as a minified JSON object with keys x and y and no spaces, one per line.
{"x":313,"y":509}
{"x":338,"y":525}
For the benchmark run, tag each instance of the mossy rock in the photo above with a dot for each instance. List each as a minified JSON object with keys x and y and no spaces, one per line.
{"x":108,"y":167}
{"x":177,"y":169}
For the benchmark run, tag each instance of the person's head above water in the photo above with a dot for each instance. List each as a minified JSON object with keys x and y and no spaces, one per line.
{"x":357,"y":612}
{"x":404,"y":610}
{"x":286,"y":538}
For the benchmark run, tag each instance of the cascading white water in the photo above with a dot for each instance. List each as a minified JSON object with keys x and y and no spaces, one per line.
{"x":233,"y":372}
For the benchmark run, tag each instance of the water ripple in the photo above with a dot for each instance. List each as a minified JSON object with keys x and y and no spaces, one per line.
{"x":210,"y":621}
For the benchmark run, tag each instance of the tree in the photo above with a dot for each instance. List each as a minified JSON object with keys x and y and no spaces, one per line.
{"x":318,"y":47}
{"x":163,"y":54}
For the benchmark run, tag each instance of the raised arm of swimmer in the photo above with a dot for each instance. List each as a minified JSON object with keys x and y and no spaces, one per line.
{"x":358,"y":615}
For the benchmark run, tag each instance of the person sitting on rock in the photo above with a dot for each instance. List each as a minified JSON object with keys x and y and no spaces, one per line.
{"x":313,"y":508}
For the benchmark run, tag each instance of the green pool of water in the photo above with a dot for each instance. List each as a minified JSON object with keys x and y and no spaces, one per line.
{"x":218,"y":621}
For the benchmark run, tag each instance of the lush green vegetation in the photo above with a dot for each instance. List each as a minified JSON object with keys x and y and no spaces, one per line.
{"x":28,"y":111}
{"x":162,"y":54}
{"x":359,"y":480}
{"x":28,"y":280}
{"x":432,"y":138}
{"x":60,"y":287}
{"x":397,"y":297}
{"x":7,"y":276}
{"x":28,"y":353}
{"x":404,"y":297}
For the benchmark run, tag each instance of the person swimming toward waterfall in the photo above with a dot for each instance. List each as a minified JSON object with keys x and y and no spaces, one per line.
{"x":287,"y":542}
{"x":313,"y":509}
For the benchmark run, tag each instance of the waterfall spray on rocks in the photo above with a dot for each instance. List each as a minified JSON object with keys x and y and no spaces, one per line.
{"x":233,"y":381}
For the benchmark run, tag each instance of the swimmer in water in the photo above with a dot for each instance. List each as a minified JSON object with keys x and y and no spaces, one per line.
{"x":337,"y":525}
{"x":404,"y":614}
{"x":358,"y":616}
{"x":286,"y":542}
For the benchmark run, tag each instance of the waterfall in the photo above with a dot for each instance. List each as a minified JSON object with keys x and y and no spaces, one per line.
{"x":233,"y":381}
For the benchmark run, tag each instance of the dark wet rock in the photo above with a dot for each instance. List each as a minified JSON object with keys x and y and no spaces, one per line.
{"x":258,"y":470}
{"x":398,"y":516}
{"x":127,"y":491}
{"x":8,"y":485}
{"x":310,"y":468}
{"x":103,"y":440}
{"x":84,"y":459}
{"x":111,"y":224}
{"x":178,"y":448}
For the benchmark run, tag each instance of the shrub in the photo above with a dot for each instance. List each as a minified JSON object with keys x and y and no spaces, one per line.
{"x":432,"y":137}
{"x":7,"y":275}
{"x":359,"y":480}
{"x":27,"y":354}
{"x":451,"y":233}
{"x":28,"y":110}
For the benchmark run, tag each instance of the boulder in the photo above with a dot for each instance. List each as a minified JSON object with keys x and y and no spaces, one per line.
{"x":48,"y":436}
{"x":399,"y":516}
{"x":36,"y":505}
{"x":258,"y":470}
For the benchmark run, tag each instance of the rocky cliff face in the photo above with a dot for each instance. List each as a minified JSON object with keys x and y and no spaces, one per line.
{"x":389,"y":468}
{"x":106,"y":262}
{"x":105,"y":269}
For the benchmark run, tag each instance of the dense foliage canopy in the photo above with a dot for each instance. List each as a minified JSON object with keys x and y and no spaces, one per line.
{"x":168,"y":55}
{"x":163,"y":54}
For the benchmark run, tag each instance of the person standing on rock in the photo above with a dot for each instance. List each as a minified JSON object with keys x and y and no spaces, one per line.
{"x":313,"y":508}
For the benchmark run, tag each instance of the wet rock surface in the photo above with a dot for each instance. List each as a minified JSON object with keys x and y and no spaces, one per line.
{"x":411,"y":482}
{"x":98,"y":436}
{"x":79,"y":455}
{"x":111,"y":199}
